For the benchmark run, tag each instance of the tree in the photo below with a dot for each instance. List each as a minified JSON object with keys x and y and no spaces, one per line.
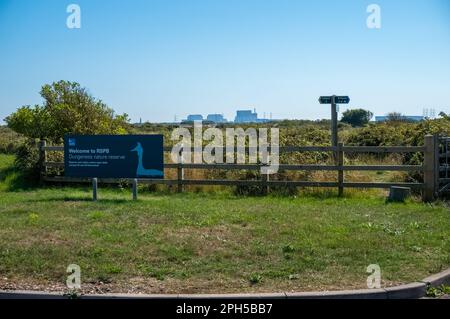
{"x":32,"y":122}
{"x":68,"y":109}
{"x":444,"y":115}
{"x":356,"y":117}
{"x":396,"y":117}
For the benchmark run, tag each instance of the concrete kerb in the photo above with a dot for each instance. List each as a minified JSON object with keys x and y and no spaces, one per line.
{"x":342,"y":294}
{"x":409,"y":291}
{"x":26,"y":294}
{"x":442,"y":278}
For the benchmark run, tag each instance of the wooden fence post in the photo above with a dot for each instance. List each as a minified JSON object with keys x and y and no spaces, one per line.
{"x":180,"y":176}
{"x":264,"y":179}
{"x":180,"y":172}
{"x":42,"y":157}
{"x":429,"y":167}
{"x":340,"y":162}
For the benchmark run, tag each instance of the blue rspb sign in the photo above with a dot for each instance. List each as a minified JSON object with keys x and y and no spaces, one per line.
{"x":114,"y":156}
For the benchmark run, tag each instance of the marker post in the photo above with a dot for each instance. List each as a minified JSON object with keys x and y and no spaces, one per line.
{"x":94,"y":189}
{"x":135,"y":189}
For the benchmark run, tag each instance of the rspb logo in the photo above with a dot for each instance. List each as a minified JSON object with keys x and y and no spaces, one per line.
{"x":72,"y":142}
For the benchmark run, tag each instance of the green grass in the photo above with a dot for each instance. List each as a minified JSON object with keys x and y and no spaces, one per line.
{"x":181,"y":243}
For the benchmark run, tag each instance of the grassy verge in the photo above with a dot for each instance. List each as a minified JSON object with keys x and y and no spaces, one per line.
{"x":192,"y":243}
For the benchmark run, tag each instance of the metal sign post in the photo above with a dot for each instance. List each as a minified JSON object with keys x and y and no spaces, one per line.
{"x":94,"y":189}
{"x":135,"y":189}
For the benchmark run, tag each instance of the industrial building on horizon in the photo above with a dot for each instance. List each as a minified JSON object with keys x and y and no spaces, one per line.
{"x":242,"y":116}
{"x":409,"y":118}
{"x":428,"y":113}
{"x":216,"y":118}
{"x":194,"y":117}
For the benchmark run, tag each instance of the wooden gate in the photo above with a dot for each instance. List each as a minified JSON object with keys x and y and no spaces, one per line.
{"x":443,"y":181}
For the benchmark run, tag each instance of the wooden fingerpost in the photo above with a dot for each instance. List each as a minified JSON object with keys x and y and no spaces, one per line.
{"x":334,"y":122}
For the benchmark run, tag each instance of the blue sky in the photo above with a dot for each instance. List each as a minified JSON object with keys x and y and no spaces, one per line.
{"x":159,"y":58}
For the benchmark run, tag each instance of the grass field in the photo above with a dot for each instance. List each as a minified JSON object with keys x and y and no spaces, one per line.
{"x":203,"y":243}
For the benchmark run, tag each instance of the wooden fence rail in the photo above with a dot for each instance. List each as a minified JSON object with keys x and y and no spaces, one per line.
{"x":428,"y":168}
{"x":287,"y":167}
{"x":292,"y":149}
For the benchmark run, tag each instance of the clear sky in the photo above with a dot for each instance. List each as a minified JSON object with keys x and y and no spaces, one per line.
{"x":159,"y":58}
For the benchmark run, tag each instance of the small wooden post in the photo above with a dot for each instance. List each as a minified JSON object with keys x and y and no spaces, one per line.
{"x":135,"y":189}
{"x":429,"y":167}
{"x":180,"y":173}
{"x":94,"y":189}
{"x":264,"y":179}
{"x":340,"y":162}
{"x":43,"y":157}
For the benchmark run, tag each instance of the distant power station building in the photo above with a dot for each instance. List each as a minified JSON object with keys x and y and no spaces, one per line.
{"x":242,"y":116}
{"x":246,"y":116}
{"x":194,"y":117}
{"x":216,"y":118}
{"x":409,"y":118}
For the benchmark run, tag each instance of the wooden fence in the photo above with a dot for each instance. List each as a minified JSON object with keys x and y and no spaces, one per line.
{"x":443,"y":165}
{"x":428,"y":167}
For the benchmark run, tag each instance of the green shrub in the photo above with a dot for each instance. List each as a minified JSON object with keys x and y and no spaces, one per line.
{"x":250,"y":190}
{"x":68,"y":109}
{"x":27,"y":161}
{"x":255,"y":278}
{"x":357,"y":117}
{"x":9,"y":140}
